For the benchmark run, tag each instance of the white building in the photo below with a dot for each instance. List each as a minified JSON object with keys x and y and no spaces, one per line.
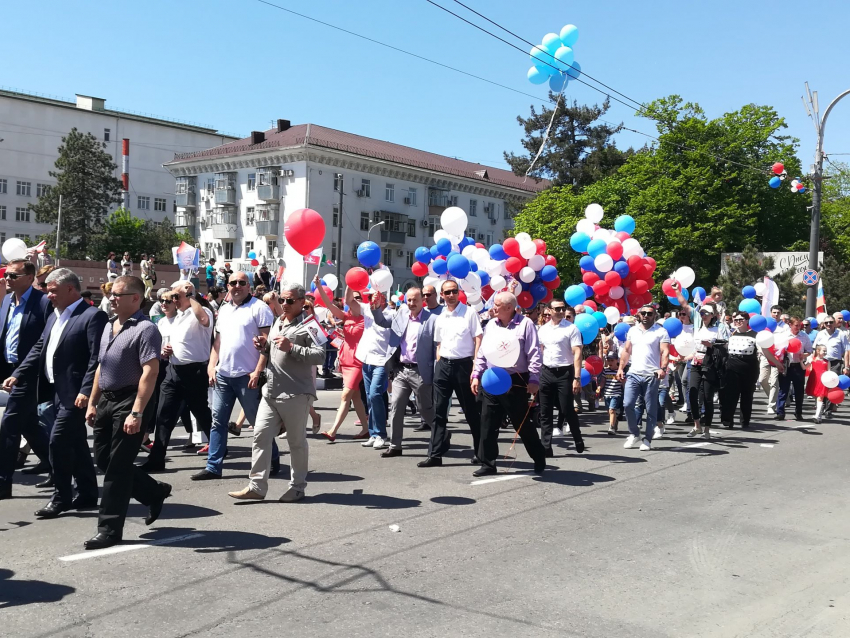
{"x":31,"y":130}
{"x":235,"y":198}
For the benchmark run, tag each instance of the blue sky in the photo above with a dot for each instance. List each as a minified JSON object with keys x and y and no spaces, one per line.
{"x":239,"y":64}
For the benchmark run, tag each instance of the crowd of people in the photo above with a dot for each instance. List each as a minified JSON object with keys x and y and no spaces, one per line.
{"x":132,"y":370}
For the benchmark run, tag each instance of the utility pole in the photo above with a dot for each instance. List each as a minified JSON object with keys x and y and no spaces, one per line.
{"x":58,"y":228}
{"x":817,"y":188}
{"x":339,"y":232}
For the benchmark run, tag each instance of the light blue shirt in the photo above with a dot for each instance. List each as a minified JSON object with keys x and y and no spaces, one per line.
{"x":13,"y":326}
{"x":836,"y":343}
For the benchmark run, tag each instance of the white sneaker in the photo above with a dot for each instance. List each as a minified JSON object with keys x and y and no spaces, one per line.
{"x":771,"y":411}
{"x":380,"y":443}
{"x":684,"y":408}
{"x":556,"y":432}
{"x":659,"y":432}
{"x":671,"y":420}
{"x":631,"y":441}
{"x":706,"y":434}
{"x":645,"y":445}
{"x":370,"y":442}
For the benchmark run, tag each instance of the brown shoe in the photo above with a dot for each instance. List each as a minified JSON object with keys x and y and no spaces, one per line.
{"x":246,"y":494}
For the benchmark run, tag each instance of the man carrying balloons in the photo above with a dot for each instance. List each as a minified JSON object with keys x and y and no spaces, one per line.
{"x":507,"y":374}
{"x":799,"y":346}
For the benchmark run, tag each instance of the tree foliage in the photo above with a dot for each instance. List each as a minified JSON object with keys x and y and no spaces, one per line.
{"x":750,"y":269}
{"x":836,"y":283}
{"x":85,"y":181}
{"x":580,"y":149}
{"x":124,"y":232}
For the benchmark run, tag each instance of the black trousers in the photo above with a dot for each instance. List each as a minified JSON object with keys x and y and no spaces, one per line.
{"x":556,"y":387}
{"x":794,"y":375}
{"x":701,"y":391}
{"x":20,"y":419}
{"x":70,"y":456}
{"x":185,"y":386}
{"x":515,"y":405}
{"x":738,"y":385}
{"x":115,"y":452}
{"x":453,"y":375}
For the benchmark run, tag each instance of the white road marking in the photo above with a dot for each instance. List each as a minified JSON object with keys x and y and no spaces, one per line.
{"x":117,"y":549}
{"x":507,"y":477}
{"x":692,"y":445}
{"x":767,"y":444}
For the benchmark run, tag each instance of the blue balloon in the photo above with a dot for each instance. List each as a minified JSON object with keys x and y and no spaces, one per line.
{"x":252,"y":255}
{"x":423,"y":254}
{"x":569,"y":35}
{"x":749,"y":306}
{"x":673,"y":327}
{"x":548,"y":273}
{"x":484,"y":276}
{"x":473,"y":267}
{"x":775,"y":182}
{"x":536,"y":76}
{"x":588,"y":326}
{"x":588,"y":291}
{"x":538,"y":291}
{"x":574,"y":71}
{"x":814,"y":322}
{"x":843,"y":381}
{"x":575,"y":295}
{"x":845,"y":314}
{"x":497,"y":253}
{"x":586,"y":262}
{"x":444,"y":247}
{"x":758,"y":323}
{"x":621,"y":330}
{"x":699,"y":293}
{"x":496,"y":381}
{"x":771,"y":323}
{"x":458,"y":266}
{"x":625,"y":224}
{"x":622,"y":269}
{"x":440,"y":266}
{"x":585,"y":377}
{"x":579,"y":242}
{"x":369,"y":254}
{"x":557,"y":82}
{"x":673,"y":301}
{"x":434,"y":252}
{"x":601,"y":319}
{"x":749,"y":292}
{"x":596,"y":247}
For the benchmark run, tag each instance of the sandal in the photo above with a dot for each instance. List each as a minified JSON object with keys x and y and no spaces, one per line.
{"x":330,"y":437}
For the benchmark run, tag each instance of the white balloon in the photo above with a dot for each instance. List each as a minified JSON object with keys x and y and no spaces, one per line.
{"x":472,"y":299}
{"x":616,"y":292}
{"x":468,"y":250}
{"x":829,"y":379}
{"x":527,"y":275}
{"x":822,"y":317}
{"x":471,"y":283}
{"x":478,"y":307}
{"x":331,"y":281}
{"x":594,"y":212}
{"x":382,"y":280}
{"x":685,"y":276}
{"x":497,"y":283}
{"x":603,"y":262}
{"x":764,"y":339}
{"x":501,"y":347}
{"x":523,"y":237}
{"x":684,"y":344}
{"x":431,"y":280}
{"x":632,"y":247}
{"x":503,"y":269}
{"x":493,"y":268}
{"x":14,"y":248}
{"x":431,"y":269}
{"x":394,"y":298}
{"x":760,"y":289}
{"x":481,"y":256}
{"x":441,"y":234}
{"x":454,"y":221}
{"x":601,"y":233}
{"x":527,"y":250}
{"x":586,"y":226}
{"x":536,"y":262}
{"x":780,"y":340}
{"x":612,"y":314}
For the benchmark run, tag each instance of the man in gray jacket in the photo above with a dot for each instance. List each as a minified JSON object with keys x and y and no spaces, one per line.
{"x":287,"y":396}
{"x":411,"y":364}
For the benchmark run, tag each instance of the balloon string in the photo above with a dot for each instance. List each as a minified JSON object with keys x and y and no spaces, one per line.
{"x":516,"y":433}
{"x":545,"y":135}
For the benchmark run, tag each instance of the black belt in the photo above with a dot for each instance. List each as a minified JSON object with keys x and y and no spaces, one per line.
{"x":411,"y":366}
{"x":559,"y":368}
{"x":455,"y":360}
{"x":118,"y":395}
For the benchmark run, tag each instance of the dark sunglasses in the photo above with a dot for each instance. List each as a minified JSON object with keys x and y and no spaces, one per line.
{"x":167,"y":301}
{"x":12,"y":275}
{"x":237,"y":282}
{"x":683,"y":314}
{"x":706,"y":312}
{"x":739,"y":319}
{"x":558,"y":309}
{"x":450,"y":292}
{"x":647,"y":313}
{"x":807,"y":325}
{"x":43,"y":286}
{"x":428,"y":294}
{"x":290,"y":301}
{"x":120,"y":294}
{"x":828,"y":323}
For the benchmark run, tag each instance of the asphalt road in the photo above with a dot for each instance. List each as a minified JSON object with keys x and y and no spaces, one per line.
{"x":745,"y":536}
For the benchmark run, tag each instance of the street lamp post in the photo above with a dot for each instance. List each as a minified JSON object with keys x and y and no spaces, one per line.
{"x":373,"y":228}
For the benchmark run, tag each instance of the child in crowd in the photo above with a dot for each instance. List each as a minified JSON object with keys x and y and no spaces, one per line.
{"x":814,"y":388}
{"x":611,"y":389}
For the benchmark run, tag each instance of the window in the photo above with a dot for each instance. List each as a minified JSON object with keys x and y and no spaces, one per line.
{"x":389,"y":193}
{"x":411,"y":228}
{"x":471,"y":232}
{"x":159,"y":203}
{"x":473,"y":208}
{"x":106,"y":135}
{"x":2,"y":237}
{"x":209,"y":249}
{"x":25,"y":189}
{"x":433,"y":225}
{"x":271,"y":246}
{"x":157,"y":224}
{"x":489,"y":239}
{"x":249,"y":216}
{"x":210,"y":185}
{"x":249,"y":246}
{"x":252,"y":181}
{"x":3,"y":213}
{"x":388,"y":257}
{"x":411,"y":195}
{"x":336,"y":216}
{"x":41,"y":190}
{"x":228,"y":250}
{"x":23,"y":236}
{"x":3,"y":186}
{"x":22,"y":214}
{"x":364,"y":221}
{"x":333,"y":251}
{"x":354,"y":251}
{"x":365,"y":187}
{"x":144,"y":203}
{"x":337,"y":182}
{"x":410,"y":259}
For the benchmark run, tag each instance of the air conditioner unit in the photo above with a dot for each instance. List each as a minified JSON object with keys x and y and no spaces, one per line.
{"x":288,"y":173}
{"x":424,"y":223}
{"x":400,"y":253}
{"x":376,"y":215}
{"x":407,"y":201}
{"x":480,"y":236}
{"x":492,"y":222}
{"x":360,"y":193}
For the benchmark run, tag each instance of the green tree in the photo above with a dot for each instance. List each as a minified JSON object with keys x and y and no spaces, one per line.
{"x":85,"y":181}
{"x":835,"y":212}
{"x":750,"y":269}
{"x":836,"y":283}
{"x":124,"y":232}
{"x":578,"y":152}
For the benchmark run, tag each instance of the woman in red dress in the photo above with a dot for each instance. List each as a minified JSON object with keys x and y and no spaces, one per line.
{"x":352,"y":370}
{"x":814,"y":388}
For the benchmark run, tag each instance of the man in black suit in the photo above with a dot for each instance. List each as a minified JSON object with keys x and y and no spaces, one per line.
{"x":63,"y":363}
{"x":23,"y":313}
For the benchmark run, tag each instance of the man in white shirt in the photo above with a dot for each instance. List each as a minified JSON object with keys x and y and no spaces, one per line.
{"x":837,"y":351}
{"x":187,"y":348}
{"x":560,"y":378}
{"x":373,"y":353}
{"x":457,"y":332}
{"x":795,"y":373}
{"x":768,"y":374}
{"x":647,"y":347}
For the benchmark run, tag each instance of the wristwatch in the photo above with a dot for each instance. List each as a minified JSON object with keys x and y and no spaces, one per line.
{"x":136,"y":415}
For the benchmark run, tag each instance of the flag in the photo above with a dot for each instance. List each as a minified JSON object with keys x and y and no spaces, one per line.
{"x":328,"y":262}
{"x":771,"y":296}
{"x":820,"y":305}
{"x":186,"y":256}
{"x":315,"y":257}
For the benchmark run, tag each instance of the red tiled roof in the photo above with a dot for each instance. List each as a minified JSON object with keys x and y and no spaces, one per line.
{"x":368,"y":147}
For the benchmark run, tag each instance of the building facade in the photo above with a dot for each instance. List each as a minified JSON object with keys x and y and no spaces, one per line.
{"x":31,"y":131}
{"x":235,"y":198}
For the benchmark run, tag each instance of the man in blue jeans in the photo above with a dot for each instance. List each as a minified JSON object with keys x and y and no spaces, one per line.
{"x":235,"y":366}
{"x":373,"y":351}
{"x":647,"y":347}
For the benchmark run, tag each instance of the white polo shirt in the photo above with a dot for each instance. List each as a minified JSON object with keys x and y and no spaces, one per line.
{"x":374,"y":346}
{"x":456,"y":332}
{"x":237,"y":326}
{"x":189,"y":340}
{"x":646,"y":349}
{"x":558,"y":343}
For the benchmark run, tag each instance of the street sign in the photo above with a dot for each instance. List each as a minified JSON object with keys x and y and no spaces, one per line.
{"x":810,"y":277}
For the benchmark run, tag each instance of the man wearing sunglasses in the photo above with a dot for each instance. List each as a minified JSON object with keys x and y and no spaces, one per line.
{"x":647,"y":348}
{"x":432,"y":300}
{"x":837,"y":351}
{"x":24,"y":313}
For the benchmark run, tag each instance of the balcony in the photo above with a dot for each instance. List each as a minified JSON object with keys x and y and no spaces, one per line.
{"x":438,"y":201}
{"x":224,"y":225}
{"x":186,"y":200}
{"x":184,"y":220}
{"x":393,"y":237}
{"x":185,"y":190}
{"x":268,"y":192}
{"x":225,"y":197}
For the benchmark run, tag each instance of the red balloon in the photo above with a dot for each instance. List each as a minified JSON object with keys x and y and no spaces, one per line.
{"x":443,"y":257}
{"x":600,"y":288}
{"x":634,"y":263}
{"x":549,"y":297}
{"x":836,"y":395}
{"x":514,"y":264}
{"x":613,"y":278}
{"x":650,"y":283}
{"x":638,"y":287}
{"x":778,"y":168}
{"x":634,"y":300}
{"x":628,"y":280}
{"x":644,"y":272}
{"x":541,"y":246}
{"x":794,"y":345}
{"x":620,"y":304}
{"x":304,"y":229}
{"x":551,"y":261}
{"x":622,"y":235}
{"x":357,"y":279}
{"x":615,"y":250}
{"x":486,"y":292}
{"x":461,"y":296}
{"x":593,"y":364}
{"x":590,"y":278}
{"x":419,"y":269}
{"x":651,"y":262}
{"x":673,"y":351}
{"x":328,"y":292}
{"x":511,"y":247}
{"x":525,"y":300}
{"x":592,"y":305}
{"x":665,"y":287}
{"x":479,"y":245}
{"x":254,"y":262}
{"x":554,"y":284}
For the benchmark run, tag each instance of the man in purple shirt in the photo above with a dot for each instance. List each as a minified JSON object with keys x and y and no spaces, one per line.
{"x":516,"y":402}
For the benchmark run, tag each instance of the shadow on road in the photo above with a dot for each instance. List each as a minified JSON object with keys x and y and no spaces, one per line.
{"x":577,"y":479}
{"x":369,"y":501}
{"x":173,"y":510}
{"x":14,"y":593}
{"x":453,"y":500}
{"x":214,"y":541}
{"x":331,"y":477}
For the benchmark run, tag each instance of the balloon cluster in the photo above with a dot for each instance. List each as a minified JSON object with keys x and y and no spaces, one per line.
{"x":480,"y":271}
{"x":554,"y":59}
{"x":360,"y":279}
{"x":329,"y":283}
{"x":779,"y":175}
